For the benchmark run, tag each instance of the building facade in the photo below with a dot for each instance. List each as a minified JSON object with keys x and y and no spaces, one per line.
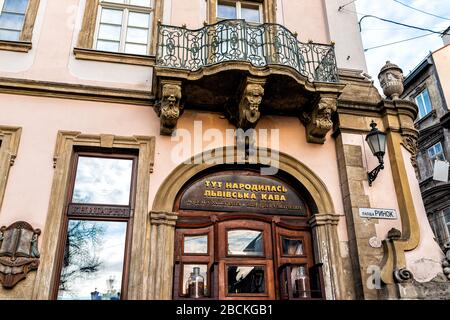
{"x":427,"y":85}
{"x":172,"y":149}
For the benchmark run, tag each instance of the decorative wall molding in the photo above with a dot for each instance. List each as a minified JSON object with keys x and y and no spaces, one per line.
{"x":18,"y":46}
{"x":9,"y":146}
{"x":115,"y":57}
{"x":19,"y":252}
{"x":64,"y":148}
{"x":75,"y":91}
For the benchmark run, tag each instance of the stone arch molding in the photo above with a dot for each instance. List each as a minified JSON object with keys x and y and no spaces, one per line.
{"x":162,"y":219}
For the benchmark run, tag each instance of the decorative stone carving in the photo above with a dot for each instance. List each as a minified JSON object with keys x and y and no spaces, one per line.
{"x":169,"y":108}
{"x":19,"y":252}
{"x":249,"y":107}
{"x":446,"y":261}
{"x":319,"y":122}
{"x":409,"y":141}
{"x":391,"y":80}
{"x":246,"y":114}
{"x":394,"y":234}
{"x":403,"y":275}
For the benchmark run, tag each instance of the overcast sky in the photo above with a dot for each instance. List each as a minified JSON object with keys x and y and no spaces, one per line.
{"x":407,"y":54}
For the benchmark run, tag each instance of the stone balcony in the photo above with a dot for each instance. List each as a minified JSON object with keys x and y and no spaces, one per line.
{"x":245,"y":70}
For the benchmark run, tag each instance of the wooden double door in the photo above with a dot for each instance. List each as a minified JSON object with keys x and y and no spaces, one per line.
{"x":246,"y":257}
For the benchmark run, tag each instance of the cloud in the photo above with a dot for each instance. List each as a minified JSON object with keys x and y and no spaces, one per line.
{"x":407,"y":54}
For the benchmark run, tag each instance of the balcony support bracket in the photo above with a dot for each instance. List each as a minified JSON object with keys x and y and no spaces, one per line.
{"x":246,"y":114}
{"x":318,"y":122}
{"x":169,"y":107}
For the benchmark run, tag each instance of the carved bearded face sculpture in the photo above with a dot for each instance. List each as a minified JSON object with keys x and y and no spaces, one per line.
{"x":254,"y":97}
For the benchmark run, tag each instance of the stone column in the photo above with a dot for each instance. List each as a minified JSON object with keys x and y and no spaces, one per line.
{"x":162,"y":235}
{"x":324,"y":229}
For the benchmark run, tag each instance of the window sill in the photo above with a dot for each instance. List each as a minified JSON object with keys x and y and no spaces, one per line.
{"x":17,"y":46}
{"x":103,"y":56}
{"x":430,"y":114}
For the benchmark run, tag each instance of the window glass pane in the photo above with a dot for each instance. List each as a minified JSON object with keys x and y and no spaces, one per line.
{"x":109,"y":32}
{"x":103,"y":181}
{"x":426,"y":101}
{"x":11,"y":21}
{"x":300,"y":282}
{"x":246,"y":279}
{"x":438,"y":147}
{"x":136,"y":19}
{"x":93,"y":260}
{"x":111,"y":16}
{"x":226,"y":11}
{"x":431,"y":152}
{"x":419,"y":103}
{"x":196,"y":244}
{"x":250,"y":13}
{"x":108,"y":46}
{"x":137,"y":35}
{"x":245,"y":242}
{"x":136,"y":48}
{"x":18,"y":6}
{"x":189,"y":287}
{"x":9,"y":35}
{"x":292,"y":247}
{"x":144,"y":3}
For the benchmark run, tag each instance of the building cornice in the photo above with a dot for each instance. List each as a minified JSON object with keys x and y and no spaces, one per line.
{"x":75,"y":91}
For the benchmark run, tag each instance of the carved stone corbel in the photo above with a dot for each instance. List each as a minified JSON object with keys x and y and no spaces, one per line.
{"x":247,"y":114}
{"x":318,"y":122}
{"x":19,"y":252}
{"x":409,"y":141}
{"x":169,"y":108}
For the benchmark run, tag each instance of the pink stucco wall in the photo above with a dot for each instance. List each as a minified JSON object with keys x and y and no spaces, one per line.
{"x":441,"y":59}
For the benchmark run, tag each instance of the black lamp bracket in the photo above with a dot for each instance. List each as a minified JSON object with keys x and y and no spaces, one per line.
{"x":372,"y":175}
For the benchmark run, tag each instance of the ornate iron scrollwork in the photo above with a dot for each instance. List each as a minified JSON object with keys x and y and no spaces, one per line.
{"x":19,"y":252}
{"x":236,"y":40}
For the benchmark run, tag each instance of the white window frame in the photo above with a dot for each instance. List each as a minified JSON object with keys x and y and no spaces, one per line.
{"x":2,"y":2}
{"x":126,"y":9}
{"x":433,"y":147}
{"x":421,"y":97}
{"x":238,"y":6}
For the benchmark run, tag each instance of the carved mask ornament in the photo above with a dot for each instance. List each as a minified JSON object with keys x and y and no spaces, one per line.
{"x":169,"y":109}
{"x":249,"y":113}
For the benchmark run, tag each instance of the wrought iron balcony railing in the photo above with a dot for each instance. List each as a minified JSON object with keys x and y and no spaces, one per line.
{"x":236,"y":40}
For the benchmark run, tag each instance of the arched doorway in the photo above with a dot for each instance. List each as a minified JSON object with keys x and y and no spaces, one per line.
{"x":241,"y":235}
{"x":323,"y":220}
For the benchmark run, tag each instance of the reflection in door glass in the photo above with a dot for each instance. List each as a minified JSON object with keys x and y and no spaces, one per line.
{"x":245,"y":242}
{"x":292,"y":247}
{"x":196,"y":244}
{"x":246,"y":279}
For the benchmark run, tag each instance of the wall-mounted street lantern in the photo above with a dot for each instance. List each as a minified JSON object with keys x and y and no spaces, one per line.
{"x":377,"y":143}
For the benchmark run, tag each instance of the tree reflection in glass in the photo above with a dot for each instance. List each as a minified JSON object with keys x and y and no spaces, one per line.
{"x":93,"y":260}
{"x":246,"y":279}
{"x":103,"y":181}
{"x":245,"y":242}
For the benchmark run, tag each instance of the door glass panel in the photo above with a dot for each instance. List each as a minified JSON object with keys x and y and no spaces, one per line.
{"x":246,"y":279}
{"x":292,"y":247}
{"x":196,"y":244}
{"x":93,"y":260}
{"x":300,"y":282}
{"x":188,"y":286}
{"x":245,"y":243}
{"x":103,"y":181}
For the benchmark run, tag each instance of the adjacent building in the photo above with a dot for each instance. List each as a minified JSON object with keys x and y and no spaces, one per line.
{"x":218,"y":149}
{"x":429,"y":86}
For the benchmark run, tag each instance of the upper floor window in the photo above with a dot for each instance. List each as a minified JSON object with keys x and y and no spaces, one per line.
{"x":12,"y":18}
{"x":436,"y":152}
{"x":424,"y":103}
{"x":248,"y":11}
{"x":124,"y":26}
